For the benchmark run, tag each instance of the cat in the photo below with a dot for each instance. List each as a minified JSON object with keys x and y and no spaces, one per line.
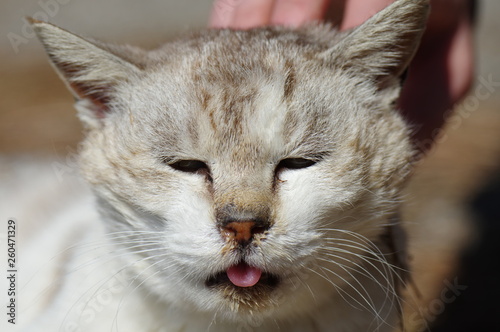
{"x":245,"y":180}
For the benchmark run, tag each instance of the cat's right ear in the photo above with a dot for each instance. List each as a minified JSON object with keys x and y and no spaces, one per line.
{"x":90,"y":71}
{"x":382,"y":48}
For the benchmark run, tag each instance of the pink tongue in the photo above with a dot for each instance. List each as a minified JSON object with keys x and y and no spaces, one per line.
{"x":243,"y":275}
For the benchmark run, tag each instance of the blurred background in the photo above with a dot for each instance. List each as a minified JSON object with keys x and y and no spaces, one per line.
{"x":452,"y":201}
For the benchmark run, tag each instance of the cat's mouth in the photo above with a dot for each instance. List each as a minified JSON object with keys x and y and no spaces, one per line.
{"x":243,"y":276}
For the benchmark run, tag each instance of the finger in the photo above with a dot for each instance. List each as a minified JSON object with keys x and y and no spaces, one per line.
{"x":358,"y":11}
{"x":297,"y":12}
{"x":222,"y":13}
{"x":461,"y":61}
{"x":450,"y":24}
{"x":241,"y":14}
{"x":439,"y":77}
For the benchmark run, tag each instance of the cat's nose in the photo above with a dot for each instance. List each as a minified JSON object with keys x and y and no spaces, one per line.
{"x":242,"y":231}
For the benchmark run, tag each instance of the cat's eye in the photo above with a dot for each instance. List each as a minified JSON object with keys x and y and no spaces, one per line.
{"x":295,"y":163}
{"x":190,"y":166}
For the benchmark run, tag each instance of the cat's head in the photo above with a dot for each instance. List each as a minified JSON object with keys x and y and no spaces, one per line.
{"x":256,"y":168}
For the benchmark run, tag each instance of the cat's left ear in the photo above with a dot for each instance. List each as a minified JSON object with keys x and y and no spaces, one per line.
{"x":91,"y":70}
{"x":383,"y":47}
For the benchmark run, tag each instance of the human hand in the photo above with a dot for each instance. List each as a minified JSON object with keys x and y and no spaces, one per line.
{"x":244,"y":14}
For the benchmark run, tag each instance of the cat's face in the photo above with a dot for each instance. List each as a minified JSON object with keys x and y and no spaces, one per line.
{"x":256,"y":169}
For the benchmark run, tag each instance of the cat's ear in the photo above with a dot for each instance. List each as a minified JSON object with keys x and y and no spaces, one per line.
{"x":90,"y":71}
{"x":383,"y":47}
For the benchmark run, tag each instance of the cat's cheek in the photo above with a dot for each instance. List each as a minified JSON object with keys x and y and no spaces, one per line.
{"x":193,"y":240}
{"x":189,"y":212}
{"x":303,"y":197}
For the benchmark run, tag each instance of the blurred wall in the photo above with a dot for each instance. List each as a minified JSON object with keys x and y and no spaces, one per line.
{"x":142,"y":22}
